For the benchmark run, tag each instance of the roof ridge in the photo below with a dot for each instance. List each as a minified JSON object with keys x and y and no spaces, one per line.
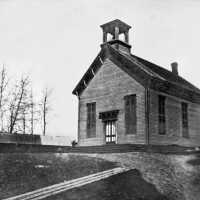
{"x":180,"y":78}
{"x":135,"y":62}
{"x":142,"y":66}
{"x":153,"y":64}
{"x":150,"y":72}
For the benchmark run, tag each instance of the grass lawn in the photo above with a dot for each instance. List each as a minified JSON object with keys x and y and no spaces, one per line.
{"x":20,"y":173}
{"x":126,"y":186}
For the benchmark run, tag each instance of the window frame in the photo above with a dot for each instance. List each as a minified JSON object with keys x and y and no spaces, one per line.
{"x":91,"y":120}
{"x":184,"y":119}
{"x":161,"y":115}
{"x":130,"y":114}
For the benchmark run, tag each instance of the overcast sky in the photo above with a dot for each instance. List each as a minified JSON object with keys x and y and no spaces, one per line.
{"x":55,"y":41}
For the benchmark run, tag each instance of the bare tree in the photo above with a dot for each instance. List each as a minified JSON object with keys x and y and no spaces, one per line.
{"x":34,"y":113}
{"x":45,"y":108}
{"x":24,"y":113}
{"x":3,"y":98}
{"x":18,"y":104}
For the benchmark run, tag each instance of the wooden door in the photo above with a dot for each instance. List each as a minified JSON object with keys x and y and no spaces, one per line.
{"x":110,"y":132}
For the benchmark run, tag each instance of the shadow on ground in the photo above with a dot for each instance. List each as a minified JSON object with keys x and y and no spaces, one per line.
{"x":126,"y":186}
{"x":195,"y":161}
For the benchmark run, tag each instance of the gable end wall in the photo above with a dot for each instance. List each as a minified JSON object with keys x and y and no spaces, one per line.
{"x":107,"y":89}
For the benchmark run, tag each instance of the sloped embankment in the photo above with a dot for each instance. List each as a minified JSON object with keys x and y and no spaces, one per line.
{"x":21,"y":173}
{"x":175,"y":176}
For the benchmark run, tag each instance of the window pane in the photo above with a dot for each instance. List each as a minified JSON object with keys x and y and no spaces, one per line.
{"x":161,"y":114}
{"x":91,"y":119}
{"x":184,"y":108}
{"x":130,"y":114}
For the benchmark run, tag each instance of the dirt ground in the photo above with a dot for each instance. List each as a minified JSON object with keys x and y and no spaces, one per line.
{"x":175,"y":176}
{"x":126,"y":186}
{"x":152,"y":176}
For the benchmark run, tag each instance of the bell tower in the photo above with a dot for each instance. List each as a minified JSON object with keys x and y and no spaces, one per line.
{"x":115,"y":29}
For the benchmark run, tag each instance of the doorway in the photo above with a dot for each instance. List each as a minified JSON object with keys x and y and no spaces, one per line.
{"x":110,"y":132}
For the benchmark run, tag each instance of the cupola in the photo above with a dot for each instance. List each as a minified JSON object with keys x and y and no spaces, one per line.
{"x":119,"y":35}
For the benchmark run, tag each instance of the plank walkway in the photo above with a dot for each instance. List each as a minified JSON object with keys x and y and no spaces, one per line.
{"x":66,"y":185}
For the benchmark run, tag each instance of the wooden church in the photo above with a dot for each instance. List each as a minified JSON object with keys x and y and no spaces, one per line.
{"x":125,"y":99}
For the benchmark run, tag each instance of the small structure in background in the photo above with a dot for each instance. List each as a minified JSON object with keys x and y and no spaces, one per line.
{"x":35,"y":139}
{"x":126,"y":99}
{"x":74,"y":143}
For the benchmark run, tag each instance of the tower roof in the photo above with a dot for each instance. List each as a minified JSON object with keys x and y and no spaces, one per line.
{"x":110,"y":26}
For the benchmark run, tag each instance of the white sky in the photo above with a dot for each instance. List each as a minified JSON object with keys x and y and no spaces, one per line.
{"x":55,"y":41}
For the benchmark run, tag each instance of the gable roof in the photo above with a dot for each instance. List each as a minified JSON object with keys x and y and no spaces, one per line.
{"x":146,"y":73}
{"x":168,"y":75}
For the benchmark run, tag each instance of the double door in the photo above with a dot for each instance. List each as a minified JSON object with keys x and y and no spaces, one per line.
{"x":110,"y":131}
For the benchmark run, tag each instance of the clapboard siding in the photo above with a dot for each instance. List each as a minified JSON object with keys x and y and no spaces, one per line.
{"x":107,"y":89}
{"x":174,"y":122}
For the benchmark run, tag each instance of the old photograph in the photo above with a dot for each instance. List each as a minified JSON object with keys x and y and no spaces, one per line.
{"x":99,"y":100}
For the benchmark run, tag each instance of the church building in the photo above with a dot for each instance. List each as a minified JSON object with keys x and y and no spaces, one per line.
{"x":125,"y":99}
